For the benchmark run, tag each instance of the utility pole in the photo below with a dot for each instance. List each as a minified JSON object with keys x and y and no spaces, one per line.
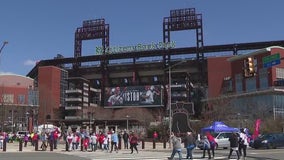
{"x":3,"y":45}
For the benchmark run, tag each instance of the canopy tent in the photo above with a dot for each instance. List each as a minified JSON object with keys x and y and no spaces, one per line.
{"x":46,"y":128}
{"x":219,"y":127}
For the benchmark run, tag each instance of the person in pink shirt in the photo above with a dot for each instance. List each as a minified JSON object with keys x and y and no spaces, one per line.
{"x":155,"y":136}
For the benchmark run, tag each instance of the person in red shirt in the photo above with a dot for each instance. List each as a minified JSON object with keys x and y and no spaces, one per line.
{"x":35,"y":139}
{"x":212,"y":142}
{"x":86,"y":143}
{"x":78,"y":140}
{"x":55,"y":138}
{"x":155,"y":136}
{"x":133,"y":142}
{"x":101,"y":139}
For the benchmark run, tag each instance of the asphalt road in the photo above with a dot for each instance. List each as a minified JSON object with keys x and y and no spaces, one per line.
{"x":272,"y":154}
{"x":38,"y":156}
{"x":148,"y":153}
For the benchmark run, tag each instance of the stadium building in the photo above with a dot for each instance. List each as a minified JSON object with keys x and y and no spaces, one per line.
{"x":148,"y":82}
{"x":19,"y":103}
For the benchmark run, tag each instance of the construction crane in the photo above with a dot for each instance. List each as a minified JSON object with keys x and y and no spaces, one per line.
{"x":4,"y":43}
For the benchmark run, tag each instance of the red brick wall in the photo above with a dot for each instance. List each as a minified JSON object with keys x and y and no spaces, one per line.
{"x":49,"y":91}
{"x":218,"y":68}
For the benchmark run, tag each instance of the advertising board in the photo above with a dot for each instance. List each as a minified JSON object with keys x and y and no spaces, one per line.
{"x":131,"y":96}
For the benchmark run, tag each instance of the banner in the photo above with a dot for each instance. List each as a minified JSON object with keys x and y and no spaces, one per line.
{"x":140,"y":96}
{"x":256,"y":129}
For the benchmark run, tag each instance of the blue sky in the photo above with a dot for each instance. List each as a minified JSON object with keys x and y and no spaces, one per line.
{"x":38,"y":30}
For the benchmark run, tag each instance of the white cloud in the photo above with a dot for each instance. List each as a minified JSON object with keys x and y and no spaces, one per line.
{"x":30,"y":62}
{"x":6,"y":73}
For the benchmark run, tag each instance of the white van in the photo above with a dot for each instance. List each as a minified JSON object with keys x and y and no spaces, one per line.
{"x":21,"y":134}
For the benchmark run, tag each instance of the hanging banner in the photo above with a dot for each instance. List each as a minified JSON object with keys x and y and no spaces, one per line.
{"x":256,"y":129}
{"x":139,"y":96}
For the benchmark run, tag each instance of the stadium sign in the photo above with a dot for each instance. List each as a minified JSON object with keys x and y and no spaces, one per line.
{"x":136,"y":48}
{"x":139,"y":96}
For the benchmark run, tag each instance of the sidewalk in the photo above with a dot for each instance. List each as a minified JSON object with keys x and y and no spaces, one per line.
{"x":14,"y":147}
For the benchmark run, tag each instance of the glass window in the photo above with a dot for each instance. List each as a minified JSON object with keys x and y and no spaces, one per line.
{"x":263,"y":78}
{"x":251,"y":84}
{"x":280,"y":73}
{"x":21,"y":99}
{"x":8,"y":98}
{"x":239,"y":83}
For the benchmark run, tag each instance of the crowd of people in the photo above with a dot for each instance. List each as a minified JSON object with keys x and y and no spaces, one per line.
{"x":34,"y":138}
{"x":104,"y":141}
{"x":239,"y":142}
{"x":109,"y":141}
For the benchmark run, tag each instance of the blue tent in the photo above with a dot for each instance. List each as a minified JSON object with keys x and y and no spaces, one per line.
{"x":219,"y":127}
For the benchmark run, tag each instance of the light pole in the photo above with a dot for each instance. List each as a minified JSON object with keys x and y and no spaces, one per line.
{"x":27,"y":121}
{"x":90,"y":114}
{"x":239,"y":121}
{"x":127,"y":117}
{"x":170,"y":93}
{"x":12,"y":119}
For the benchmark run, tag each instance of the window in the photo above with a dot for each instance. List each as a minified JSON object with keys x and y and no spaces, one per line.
{"x":239,"y":83}
{"x":8,"y":98}
{"x":21,"y":99}
{"x":279,"y":73}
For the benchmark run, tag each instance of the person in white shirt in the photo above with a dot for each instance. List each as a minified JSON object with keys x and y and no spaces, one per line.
{"x":1,"y":140}
{"x":243,"y":143}
{"x":69,"y":139}
{"x":106,"y":143}
{"x":94,"y":142}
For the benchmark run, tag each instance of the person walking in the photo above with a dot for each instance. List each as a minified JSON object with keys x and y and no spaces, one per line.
{"x":69,"y":139}
{"x":176,"y":142}
{"x":189,"y":144}
{"x":133,"y":142}
{"x":212,"y":142}
{"x":105,"y":145}
{"x":26,"y":139}
{"x":125,"y":137}
{"x":43,"y":138}
{"x":243,"y":143}
{"x":206,"y":147}
{"x":234,"y":145}
{"x":114,"y":141}
{"x":94,"y":142}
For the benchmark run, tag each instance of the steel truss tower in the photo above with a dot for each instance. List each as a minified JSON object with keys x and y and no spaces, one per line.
{"x":93,"y":29}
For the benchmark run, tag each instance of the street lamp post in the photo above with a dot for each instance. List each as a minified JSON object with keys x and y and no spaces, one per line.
{"x":239,"y":120}
{"x":90,"y":114}
{"x":127,"y":117}
{"x":27,"y":121}
{"x":170,"y":101}
{"x":12,"y":119}
{"x":170,"y":93}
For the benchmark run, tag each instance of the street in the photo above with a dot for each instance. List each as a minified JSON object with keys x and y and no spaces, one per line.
{"x":159,"y":153}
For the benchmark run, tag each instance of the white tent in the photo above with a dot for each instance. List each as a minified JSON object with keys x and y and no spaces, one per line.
{"x":46,"y":128}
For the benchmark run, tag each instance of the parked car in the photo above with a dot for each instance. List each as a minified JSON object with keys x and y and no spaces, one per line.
{"x":21,"y":134}
{"x":271,"y":140}
{"x":221,"y":138}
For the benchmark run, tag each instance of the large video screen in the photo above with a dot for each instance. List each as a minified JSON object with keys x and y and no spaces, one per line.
{"x":136,"y":96}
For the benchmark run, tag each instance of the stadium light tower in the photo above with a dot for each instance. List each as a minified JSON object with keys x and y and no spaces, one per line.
{"x":3,"y":45}
{"x":170,"y":92}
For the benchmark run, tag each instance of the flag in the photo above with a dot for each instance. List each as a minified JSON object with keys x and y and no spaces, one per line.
{"x":256,"y":129}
